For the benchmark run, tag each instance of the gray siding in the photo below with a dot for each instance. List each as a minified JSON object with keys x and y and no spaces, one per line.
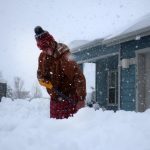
{"x":127,"y":76}
{"x":128,"y":88}
{"x":102,"y":68}
{"x":94,"y":52}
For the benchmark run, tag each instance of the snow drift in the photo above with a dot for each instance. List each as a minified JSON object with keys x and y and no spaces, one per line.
{"x":25,"y":125}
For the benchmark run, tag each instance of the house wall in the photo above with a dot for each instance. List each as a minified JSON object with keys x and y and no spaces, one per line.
{"x":3,"y":90}
{"x":103,"y":67}
{"x":94,"y":52}
{"x":81,"y":67}
{"x":128,"y":76}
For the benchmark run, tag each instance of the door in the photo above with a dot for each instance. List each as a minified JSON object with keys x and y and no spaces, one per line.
{"x":147,"y":76}
{"x":143,"y":81}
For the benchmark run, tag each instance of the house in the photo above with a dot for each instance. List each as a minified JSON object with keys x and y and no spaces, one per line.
{"x":122,"y":67}
{"x":3,"y":90}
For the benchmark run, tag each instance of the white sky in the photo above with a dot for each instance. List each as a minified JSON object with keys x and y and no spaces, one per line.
{"x":66,"y":20}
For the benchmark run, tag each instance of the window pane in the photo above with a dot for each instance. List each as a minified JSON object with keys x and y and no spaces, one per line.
{"x":112,"y":79}
{"x":112,"y":87}
{"x":112,"y":96}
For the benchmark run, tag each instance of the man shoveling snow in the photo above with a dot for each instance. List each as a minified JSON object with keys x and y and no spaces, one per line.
{"x":61,"y":76}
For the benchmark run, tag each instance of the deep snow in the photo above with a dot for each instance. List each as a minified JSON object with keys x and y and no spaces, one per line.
{"x":26,"y":125}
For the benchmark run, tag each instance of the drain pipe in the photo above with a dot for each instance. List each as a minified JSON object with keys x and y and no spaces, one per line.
{"x":119,"y":77}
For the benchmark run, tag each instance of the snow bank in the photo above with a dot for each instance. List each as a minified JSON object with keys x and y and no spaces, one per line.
{"x":26,"y":125}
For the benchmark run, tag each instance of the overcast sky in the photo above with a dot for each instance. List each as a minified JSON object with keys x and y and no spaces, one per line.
{"x":66,"y":20}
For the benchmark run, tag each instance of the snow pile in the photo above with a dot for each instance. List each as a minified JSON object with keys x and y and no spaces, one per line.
{"x":26,"y":125}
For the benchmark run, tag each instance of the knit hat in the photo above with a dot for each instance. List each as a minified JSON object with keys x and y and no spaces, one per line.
{"x":44,"y":39}
{"x":38,"y":30}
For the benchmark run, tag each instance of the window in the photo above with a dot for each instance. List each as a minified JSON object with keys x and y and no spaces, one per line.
{"x":112,"y":87}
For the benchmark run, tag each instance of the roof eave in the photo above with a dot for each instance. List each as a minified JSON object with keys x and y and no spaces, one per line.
{"x":88,"y":45}
{"x":115,"y":40}
{"x":127,"y":37}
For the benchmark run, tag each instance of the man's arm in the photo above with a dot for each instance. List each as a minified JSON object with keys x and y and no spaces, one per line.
{"x":40,"y":71}
{"x":73,"y":72}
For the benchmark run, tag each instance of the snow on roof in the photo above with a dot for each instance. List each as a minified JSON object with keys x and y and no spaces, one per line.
{"x":77,"y":43}
{"x":141,"y":25}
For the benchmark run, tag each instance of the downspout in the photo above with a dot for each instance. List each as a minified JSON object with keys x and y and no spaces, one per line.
{"x":137,"y":85}
{"x":119,"y":76}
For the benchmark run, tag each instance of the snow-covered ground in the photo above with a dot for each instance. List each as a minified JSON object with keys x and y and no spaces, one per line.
{"x":26,"y":125}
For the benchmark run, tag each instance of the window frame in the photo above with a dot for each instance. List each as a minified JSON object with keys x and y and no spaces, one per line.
{"x":115,"y":87}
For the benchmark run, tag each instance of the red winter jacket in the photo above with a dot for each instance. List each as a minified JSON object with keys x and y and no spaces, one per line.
{"x":63,"y":72}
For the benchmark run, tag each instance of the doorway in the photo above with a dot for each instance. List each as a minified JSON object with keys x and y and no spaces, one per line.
{"x":143,"y":74}
{"x":90,"y":75}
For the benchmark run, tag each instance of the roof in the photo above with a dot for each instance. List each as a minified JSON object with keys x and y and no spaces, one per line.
{"x":139,"y":29}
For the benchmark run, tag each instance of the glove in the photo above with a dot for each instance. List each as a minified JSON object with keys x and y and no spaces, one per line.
{"x":46,"y":84}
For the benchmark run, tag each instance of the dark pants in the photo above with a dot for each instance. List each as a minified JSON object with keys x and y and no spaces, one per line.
{"x":60,"y":109}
